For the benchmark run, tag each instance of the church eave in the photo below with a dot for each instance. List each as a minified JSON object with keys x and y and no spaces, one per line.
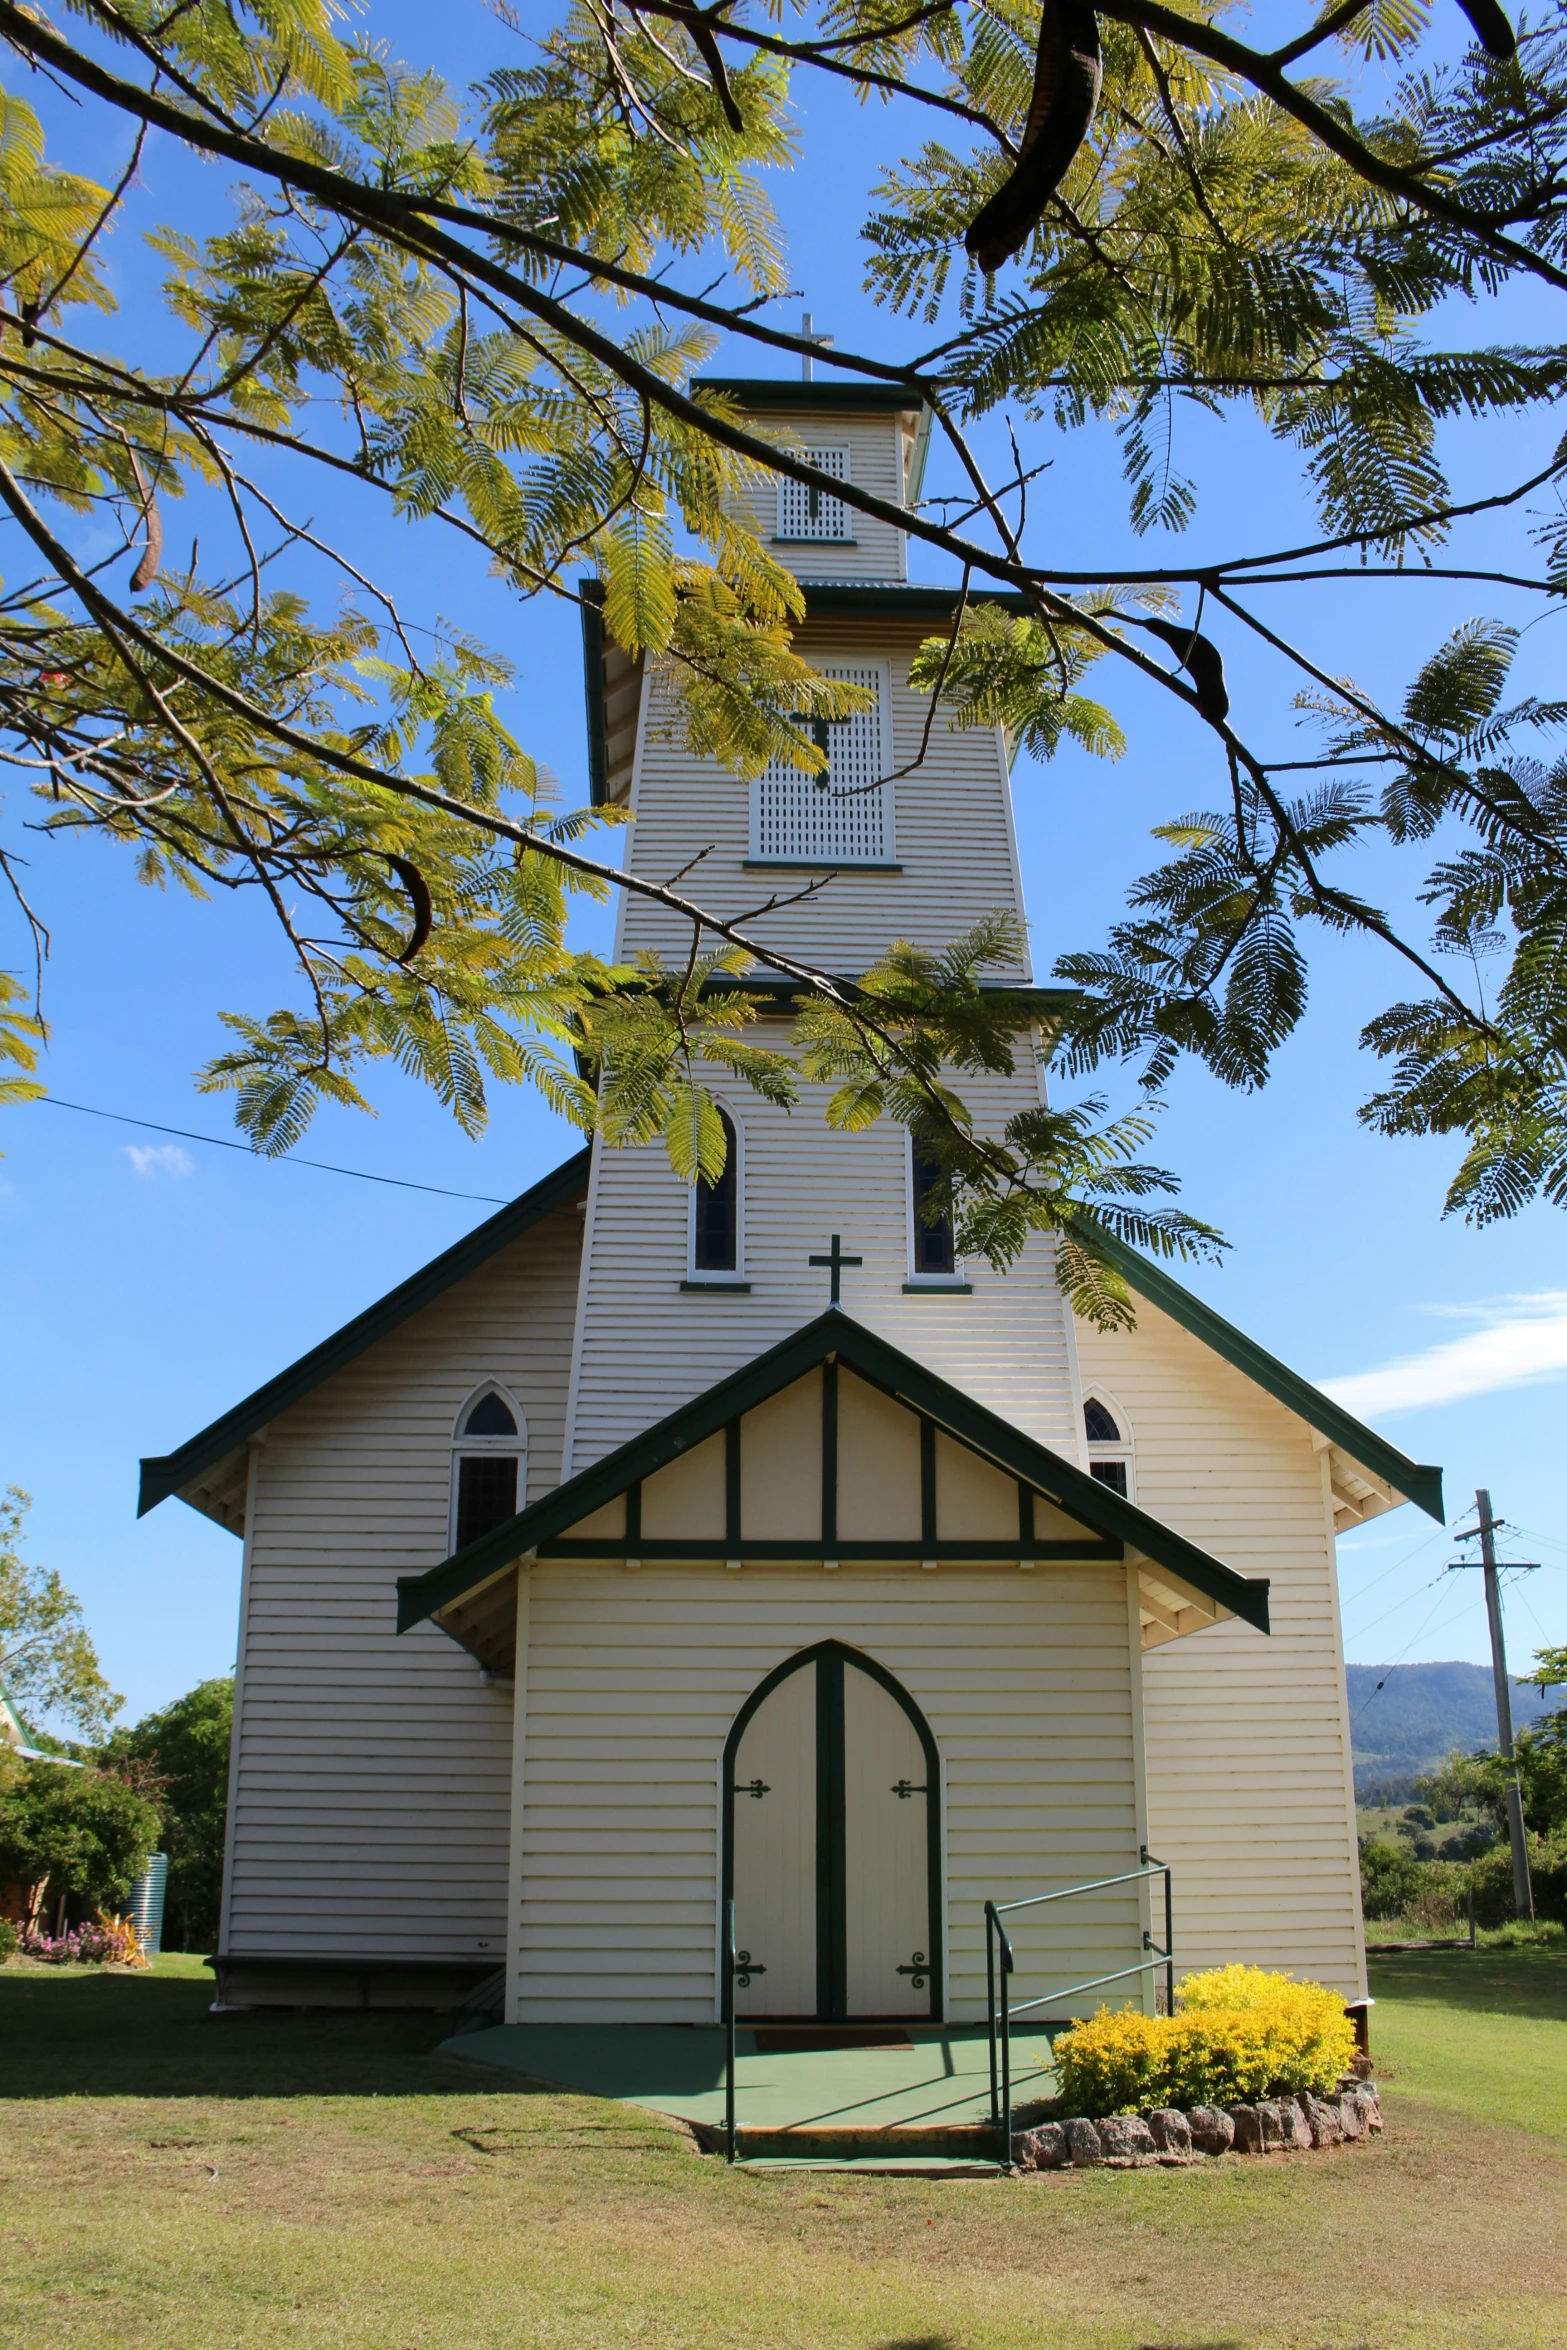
{"x":1416,"y":1481}
{"x":223,"y":1441}
{"x":1118,"y":1524}
{"x":782,"y":391}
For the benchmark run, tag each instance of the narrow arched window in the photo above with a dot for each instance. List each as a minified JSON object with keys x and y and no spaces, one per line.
{"x":715,"y":1233}
{"x":1109,"y":1444}
{"x":932,"y":1253}
{"x":489,"y":1464}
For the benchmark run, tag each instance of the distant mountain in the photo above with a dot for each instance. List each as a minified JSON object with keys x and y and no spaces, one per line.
{"x":1421,"y":1712}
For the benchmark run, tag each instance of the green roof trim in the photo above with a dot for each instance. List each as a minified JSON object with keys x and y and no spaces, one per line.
{"x":1419,"y":1482}
{"x":1036,"y":1003}
{"x":833,"y":1334}
{"x":164,"y":1473}
{"x":894,"y":598}
{"x":782,"y":391}
{"x":887,"y":599}
{"x":592,"y":609}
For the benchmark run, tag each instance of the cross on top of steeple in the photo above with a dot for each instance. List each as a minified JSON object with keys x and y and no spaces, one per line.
{"x":809,"y":335}
{"x":837,"y":1260}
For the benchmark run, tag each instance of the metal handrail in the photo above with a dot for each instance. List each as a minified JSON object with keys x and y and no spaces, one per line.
{"x":731,"y":1969}
{"x":1000,"y":1965}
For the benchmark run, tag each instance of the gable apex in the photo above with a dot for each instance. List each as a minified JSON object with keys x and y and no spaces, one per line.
{"x":165,"y":1473}
{"x":834,"y":1337}
{"x":1416,"y":1481}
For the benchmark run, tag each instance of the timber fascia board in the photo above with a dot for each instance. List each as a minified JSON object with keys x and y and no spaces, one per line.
{"x":833,"y":1335}
{"x":165,"y":1473}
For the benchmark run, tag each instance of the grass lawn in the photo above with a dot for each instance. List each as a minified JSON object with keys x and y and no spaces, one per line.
{"x":1482,"y":2034}
{"x":178,"y":2181}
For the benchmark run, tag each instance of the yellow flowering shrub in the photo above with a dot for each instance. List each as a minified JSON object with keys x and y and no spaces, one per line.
{"x":1239,"y":2033}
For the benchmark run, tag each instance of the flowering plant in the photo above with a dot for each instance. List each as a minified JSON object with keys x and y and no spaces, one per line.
{"x":1239,"y":2033}
{"x":105,"y":1941}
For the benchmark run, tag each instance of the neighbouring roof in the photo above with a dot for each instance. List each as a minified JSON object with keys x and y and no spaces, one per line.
{"x":165,"y":1473}
{"x":13,"y":1730}
{"x":1414,"y":1481}
{"x":838,"y":1335}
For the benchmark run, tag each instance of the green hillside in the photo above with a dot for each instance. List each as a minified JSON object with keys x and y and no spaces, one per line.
{"x":1421,"y":1712}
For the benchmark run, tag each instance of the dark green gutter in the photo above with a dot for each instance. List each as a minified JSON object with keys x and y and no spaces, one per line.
{"x":897,"y":1374}
{"x":888,"y":599}
{"x":592,"y":609}
{"x":164,"y":1473}
{"x":1036,"y":1003}
{"x":781,"y":391}
{"x":1417,"y":1481}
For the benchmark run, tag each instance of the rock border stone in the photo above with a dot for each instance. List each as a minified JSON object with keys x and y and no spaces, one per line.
{"x":1170,"y":2139}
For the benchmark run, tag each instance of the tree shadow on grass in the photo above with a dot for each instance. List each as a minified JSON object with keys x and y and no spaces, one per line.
{"x":151,"y":2036}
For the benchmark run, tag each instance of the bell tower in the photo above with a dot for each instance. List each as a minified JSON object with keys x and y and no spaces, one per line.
{"x":907,"y":835}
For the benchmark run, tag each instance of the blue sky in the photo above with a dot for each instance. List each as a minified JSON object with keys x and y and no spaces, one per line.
{"x":144,"y":1293}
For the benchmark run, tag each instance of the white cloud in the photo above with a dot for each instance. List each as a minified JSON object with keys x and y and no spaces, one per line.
{"x":1521,"y":1340}
{"x":159,"y":1158}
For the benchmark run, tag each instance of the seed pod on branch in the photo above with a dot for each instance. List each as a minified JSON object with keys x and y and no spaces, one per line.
{"x":1202,"y":661}
{"x":1492,"y":29}
{"x":1067,"y":74}
{"x":418,"y":890}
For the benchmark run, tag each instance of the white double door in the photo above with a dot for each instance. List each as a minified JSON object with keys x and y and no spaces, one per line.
{"x":832,"y":1801}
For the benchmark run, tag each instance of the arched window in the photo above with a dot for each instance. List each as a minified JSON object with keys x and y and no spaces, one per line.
{"x":715,"y":1213}
{"x":932,"y":1255}
{"x":1109,"y":1444}
{"x":489,"y":1464}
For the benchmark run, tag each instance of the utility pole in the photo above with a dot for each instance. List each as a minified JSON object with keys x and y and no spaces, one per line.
{"x":1523,"y":1891}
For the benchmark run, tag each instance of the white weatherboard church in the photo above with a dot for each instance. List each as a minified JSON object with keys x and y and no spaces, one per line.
{"x":608,"y":1569}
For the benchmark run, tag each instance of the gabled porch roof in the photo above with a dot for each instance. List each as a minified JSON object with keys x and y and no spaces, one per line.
{"x":1113,"y":1528}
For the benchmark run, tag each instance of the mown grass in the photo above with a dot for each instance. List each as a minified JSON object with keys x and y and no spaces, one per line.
{"x":180,"y":2181}
{"x":1481,"y":2033}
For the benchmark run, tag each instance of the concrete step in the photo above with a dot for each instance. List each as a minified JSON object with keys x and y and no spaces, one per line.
{"x":967,"y":2142}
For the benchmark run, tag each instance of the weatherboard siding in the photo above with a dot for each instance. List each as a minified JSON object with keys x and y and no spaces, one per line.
{"x":875,"y":550}
{"x":952,"y":831}
{"x":1247,"y":1735}
{"x":646,"y":1346}
{"x":371,"y":1783}
{"x":632,"y":1682}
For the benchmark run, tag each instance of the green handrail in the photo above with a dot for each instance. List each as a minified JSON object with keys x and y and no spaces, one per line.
{"x":1000,"y":1966}
{"x":731,"y":1968}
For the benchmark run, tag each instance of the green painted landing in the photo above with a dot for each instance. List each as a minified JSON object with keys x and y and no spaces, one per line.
{"x":941,"y":2079}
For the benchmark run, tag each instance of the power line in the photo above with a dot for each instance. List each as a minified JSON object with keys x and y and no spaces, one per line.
{"x":1402,"y":1560}
{"x":220,"y":1142}
{"x":1366,"y":1702}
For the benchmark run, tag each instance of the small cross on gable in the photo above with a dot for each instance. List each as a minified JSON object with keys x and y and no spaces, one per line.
{"x":836,"y":1260}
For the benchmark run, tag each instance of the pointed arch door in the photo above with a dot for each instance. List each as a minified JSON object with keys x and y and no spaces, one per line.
{"x":832,"y":1843}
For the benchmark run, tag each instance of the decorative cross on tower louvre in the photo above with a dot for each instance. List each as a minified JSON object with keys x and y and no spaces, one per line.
{"x":836,"y":1260}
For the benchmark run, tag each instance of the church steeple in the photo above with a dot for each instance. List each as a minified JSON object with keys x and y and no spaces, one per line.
{"x":908,"y":835}
{"x":868,"y":433}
